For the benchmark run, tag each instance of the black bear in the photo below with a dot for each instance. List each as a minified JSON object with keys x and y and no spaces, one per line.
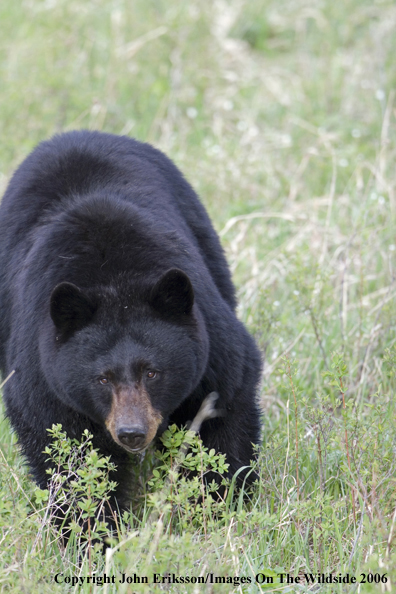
{"x":117,"y":309}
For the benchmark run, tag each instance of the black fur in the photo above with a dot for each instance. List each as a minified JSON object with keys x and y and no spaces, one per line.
{"x":109,"y":264}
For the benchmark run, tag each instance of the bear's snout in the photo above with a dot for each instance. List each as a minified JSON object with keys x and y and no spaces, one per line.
{"x":132,"y":421}
{"x":133,"y":438}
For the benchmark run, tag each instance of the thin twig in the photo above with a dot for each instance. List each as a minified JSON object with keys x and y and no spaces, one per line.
{"x":289,"y":375}
{"x":7,"y":378}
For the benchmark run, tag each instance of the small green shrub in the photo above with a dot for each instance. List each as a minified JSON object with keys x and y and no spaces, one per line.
{"x":79,"y":488}
{"x":180,"y":481}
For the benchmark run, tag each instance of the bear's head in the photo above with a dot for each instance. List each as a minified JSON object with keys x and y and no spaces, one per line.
{"x":123,"y":358}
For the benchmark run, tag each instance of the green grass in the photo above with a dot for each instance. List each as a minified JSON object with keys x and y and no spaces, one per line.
{"x":282,"y":116}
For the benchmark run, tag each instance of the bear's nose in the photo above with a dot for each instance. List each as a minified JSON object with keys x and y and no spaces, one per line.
{"x":132,"y":437}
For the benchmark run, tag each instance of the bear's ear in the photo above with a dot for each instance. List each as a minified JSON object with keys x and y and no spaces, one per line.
{"x":173,"y":294}
{"x":70,"y":308}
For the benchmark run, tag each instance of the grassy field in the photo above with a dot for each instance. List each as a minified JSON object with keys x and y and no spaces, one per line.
{"x":282,"y":116}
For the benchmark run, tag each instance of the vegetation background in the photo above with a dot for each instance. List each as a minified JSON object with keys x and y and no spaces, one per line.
{"x":282,"y":116}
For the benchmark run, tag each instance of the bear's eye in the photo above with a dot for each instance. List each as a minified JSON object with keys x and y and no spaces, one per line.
{"x":103,"y":381}
{"x":151,"y":374}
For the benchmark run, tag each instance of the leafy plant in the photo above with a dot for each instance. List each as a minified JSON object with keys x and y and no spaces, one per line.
{"x":79,"y":489}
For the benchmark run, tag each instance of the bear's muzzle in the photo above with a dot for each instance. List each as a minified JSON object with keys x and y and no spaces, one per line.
{"x":133,"y":421}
